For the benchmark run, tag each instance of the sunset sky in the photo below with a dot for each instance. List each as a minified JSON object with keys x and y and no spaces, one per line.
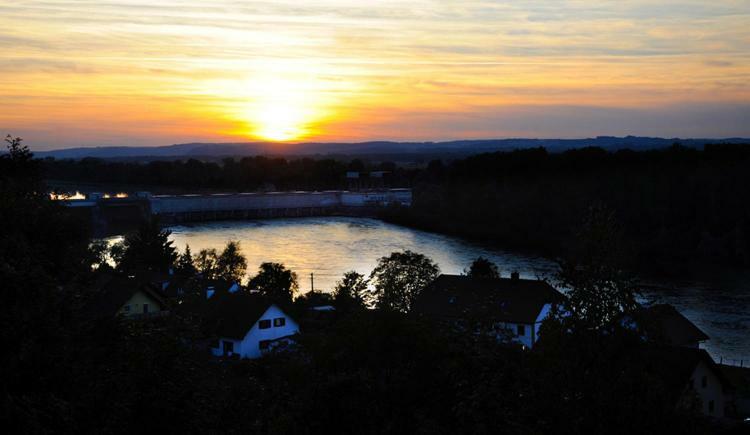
{"x":87,"y":73}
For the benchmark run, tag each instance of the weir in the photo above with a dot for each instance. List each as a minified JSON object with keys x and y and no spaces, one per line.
{"x":110,"y":213}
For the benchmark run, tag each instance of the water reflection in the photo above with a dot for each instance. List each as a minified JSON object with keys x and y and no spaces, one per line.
{"x":328,"y":247}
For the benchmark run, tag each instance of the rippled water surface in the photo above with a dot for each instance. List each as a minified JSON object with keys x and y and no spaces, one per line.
{"x":328,"y":247}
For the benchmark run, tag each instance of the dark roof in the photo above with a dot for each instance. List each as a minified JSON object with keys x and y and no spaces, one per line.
{"x":663,"y":321}
{"x":229,"y":315}
{"x":115,"y":291}
{"x":180,"y":286}
{"x":505,"y":299}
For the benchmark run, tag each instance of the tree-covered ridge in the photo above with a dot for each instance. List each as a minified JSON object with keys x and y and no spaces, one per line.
{"x":245,"y":174}
{"x":679,"y":206}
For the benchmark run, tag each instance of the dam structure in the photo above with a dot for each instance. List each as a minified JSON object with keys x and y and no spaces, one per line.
{"x":110,"y":213}
{"x":186,"y":208}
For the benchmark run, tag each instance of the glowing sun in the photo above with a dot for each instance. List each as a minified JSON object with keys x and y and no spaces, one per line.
{"x":283,"y":109}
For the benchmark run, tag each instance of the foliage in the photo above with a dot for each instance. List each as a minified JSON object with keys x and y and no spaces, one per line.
{"x":351,"y":291}
{"x":275,"y":281}
{"x":483,"y":268}
{"x":206,"y":262}
{"x":99,"y":250}
{"x":185,"y":265}
{"x":43,"y":260}
{"x":399,"y":278}
{"x":231,"y":265}
{"x":147,"y":249}
{"x":596,"y":273}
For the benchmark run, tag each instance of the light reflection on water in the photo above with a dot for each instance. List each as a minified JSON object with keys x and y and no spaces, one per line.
{"x":330,"y":246}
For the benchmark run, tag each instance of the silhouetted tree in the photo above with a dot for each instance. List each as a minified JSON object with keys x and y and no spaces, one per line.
{"x":483,"y":268}
{"x":275,"y":281}
{"x":185,"y":265}
{"x":596,"y":272}
{"x":400,"y":277}
{"x":147,"y":249}
{"x":206,"y":261}
{"x":99,"y":251}
{"x":351,"y":291}
{"x":231,"y":265}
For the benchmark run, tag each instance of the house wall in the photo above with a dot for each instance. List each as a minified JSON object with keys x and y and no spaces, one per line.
{"x":136,"y":304}
{"x":531,"y":331}
{"x":713,"y":391}
{"x":524,"y":339}
{"x":250,"y":344}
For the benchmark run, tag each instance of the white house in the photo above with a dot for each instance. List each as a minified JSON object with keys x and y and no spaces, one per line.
{"x":512,"y":308}
{"x":247,"y":325}
{"x":695,"y":381}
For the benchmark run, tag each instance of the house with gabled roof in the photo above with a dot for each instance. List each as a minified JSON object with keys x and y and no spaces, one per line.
{"x":511,"y":308}
{"x":127,"y":297}
{"x":244,"y":325}
{"x":692,"y":379}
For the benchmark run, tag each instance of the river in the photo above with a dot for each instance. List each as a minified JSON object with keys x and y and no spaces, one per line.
{"x":329,"y":246}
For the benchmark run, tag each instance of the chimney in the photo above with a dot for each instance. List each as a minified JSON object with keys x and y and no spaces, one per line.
{"x":514,"y":275}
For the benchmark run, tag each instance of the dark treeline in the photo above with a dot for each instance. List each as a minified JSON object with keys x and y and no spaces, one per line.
{"x":246,"y":174}
{"x":678,"y":205}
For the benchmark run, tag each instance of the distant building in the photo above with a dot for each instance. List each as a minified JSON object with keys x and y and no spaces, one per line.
{"x":243,"y":325}
{"x":511,"y":308}
{"x":127,"y":297}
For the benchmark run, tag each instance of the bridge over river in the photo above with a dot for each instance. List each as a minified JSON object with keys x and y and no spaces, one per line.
{"x":112,"y":212}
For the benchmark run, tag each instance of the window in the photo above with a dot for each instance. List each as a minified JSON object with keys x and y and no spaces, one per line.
{"x":710,"y":406}
{"x":280,"y":321}
{"x":126,"y":308}
{"x":145,"y":308}
{"x":264,"y":344}
{"x":520,"y":330}
{"x":264,"y":324}
{"x":228,"y":347}
{"x":704,"y":382}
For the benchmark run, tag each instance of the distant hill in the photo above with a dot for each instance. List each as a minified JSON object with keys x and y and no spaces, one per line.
{"x":458,"y":147}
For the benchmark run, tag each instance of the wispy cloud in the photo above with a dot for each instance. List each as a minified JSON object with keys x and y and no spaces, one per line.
{"x":157,"y":72}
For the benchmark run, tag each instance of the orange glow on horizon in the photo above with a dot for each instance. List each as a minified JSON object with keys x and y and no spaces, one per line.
{"x":92,"y":73}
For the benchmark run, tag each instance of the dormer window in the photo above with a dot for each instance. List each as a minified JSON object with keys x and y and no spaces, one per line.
{"x":264,"y":324}
{"x":279,"y":321}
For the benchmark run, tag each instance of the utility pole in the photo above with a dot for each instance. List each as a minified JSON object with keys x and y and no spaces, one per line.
{"x":312,"y":282}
